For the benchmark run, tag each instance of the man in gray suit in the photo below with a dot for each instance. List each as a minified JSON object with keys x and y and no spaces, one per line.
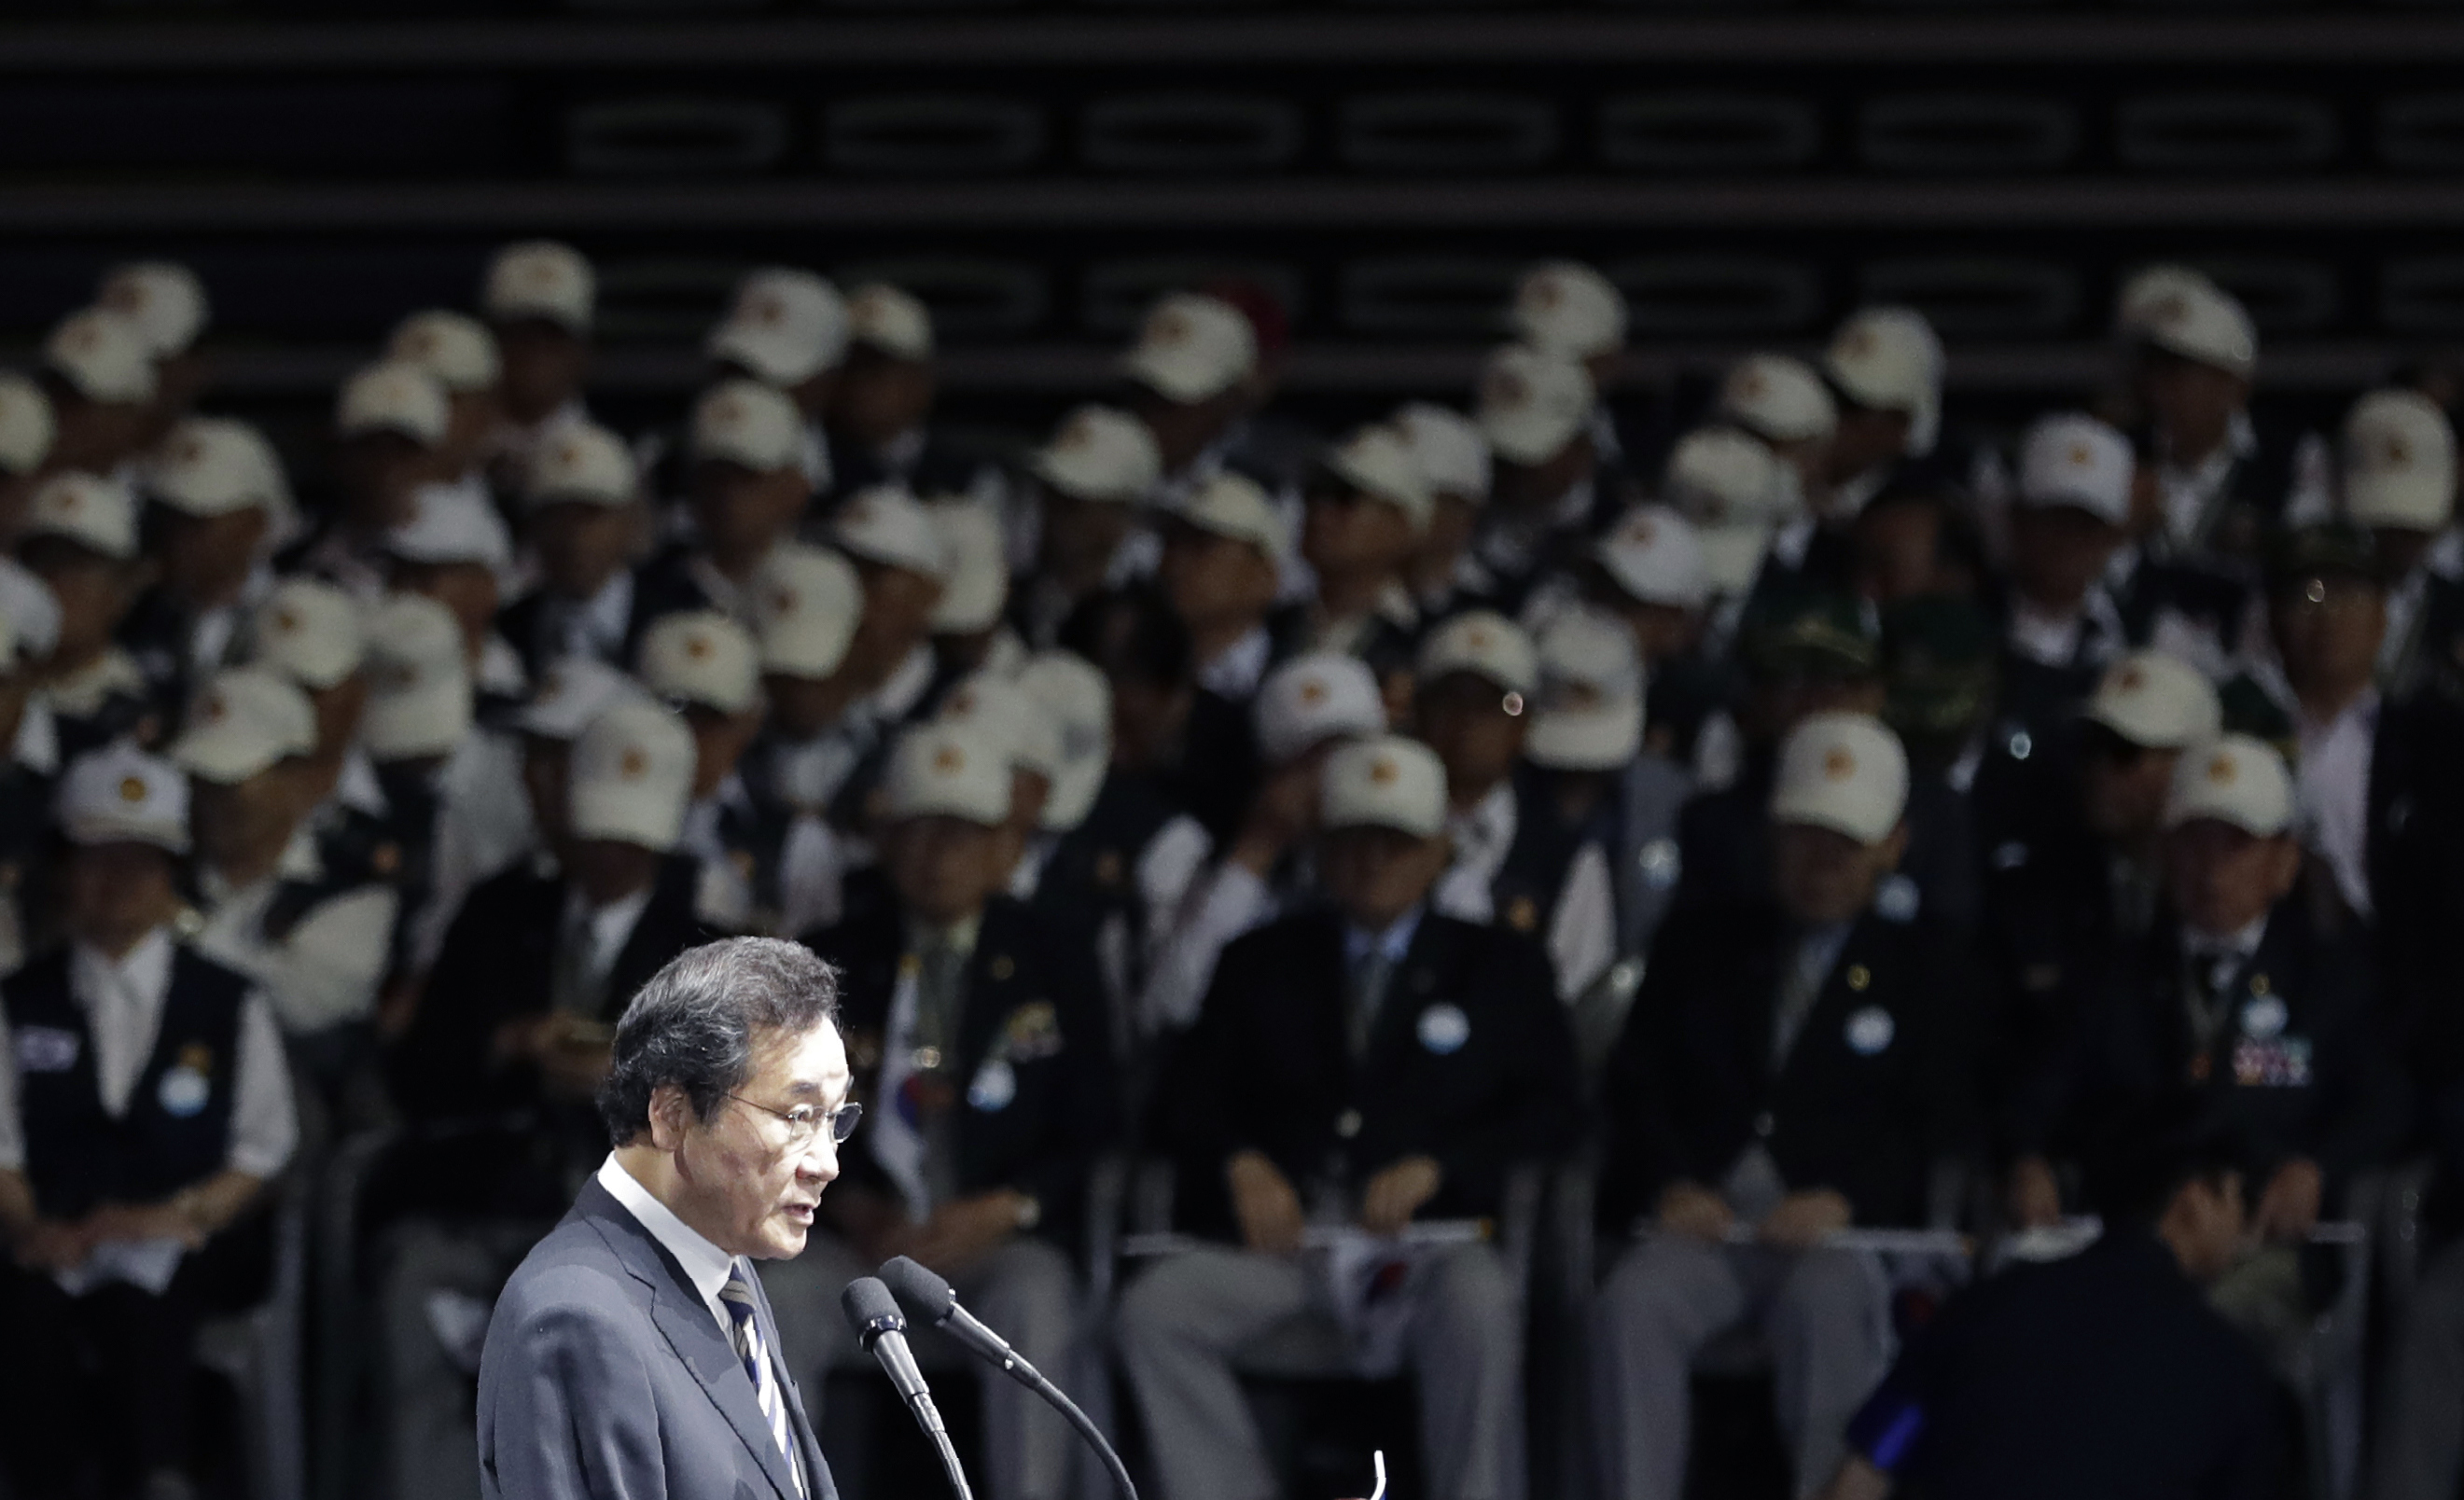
{"x":633,"y":1352}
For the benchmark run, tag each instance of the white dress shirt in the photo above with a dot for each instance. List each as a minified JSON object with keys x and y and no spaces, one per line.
{"x":327,"y":969}
{"x":2334,"y":785}
{"x":1581,"y":936}
{"x":122,"y":1002}
{"x":705,"y":1265}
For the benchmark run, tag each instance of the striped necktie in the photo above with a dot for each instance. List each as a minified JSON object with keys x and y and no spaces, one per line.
{"x":737,"y":1296}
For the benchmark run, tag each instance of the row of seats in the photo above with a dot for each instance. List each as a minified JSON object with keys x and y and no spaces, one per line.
{"x":463,"y":126}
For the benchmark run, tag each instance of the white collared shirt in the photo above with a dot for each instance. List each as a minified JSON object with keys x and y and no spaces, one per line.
{"x":1582,"y":935}
{"x":2334,"y":785}
{"x":122,"y":1002}
{"x":705,"y":1265}
{"x":327,"y":967}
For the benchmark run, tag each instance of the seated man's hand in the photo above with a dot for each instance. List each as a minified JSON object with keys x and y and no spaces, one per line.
{"x":2032,"y":1197}
{"x":1694,"y":1211}
{"x":1263,"y":1199}
{"x":51,"y":1245}
{"x":1396,"y":1193}
{"x":961,"y":1232}
{"x":2289,"y":1209}
{"x":1802,"y":1220}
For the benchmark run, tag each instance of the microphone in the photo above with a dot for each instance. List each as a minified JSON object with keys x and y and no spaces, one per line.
{"x":873,"y":1316}
{"x":935,"y":1302}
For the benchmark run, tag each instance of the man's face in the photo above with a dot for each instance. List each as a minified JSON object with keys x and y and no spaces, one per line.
{"x":897,"y":613}
{"x":1530,"y":487}
{"x":743,"y":512}
{"x":1898,"y":550}
{"x":118,"y":892}
{"x":1148,"y":719}
{"x":545,"y":763}
{"x":92,"y":436}
{"x":1375,"y":875}
{"x":1214,"y":580}
{"x":235,"y":819}
{"x":944,"y":868}
{"x":581,"y":545}
{"x":803,"y":707}
{"x":1346,"y":531}
{"x":607,"y":871}
{"x":2327,"y":630}
{"x":338,"y":710}
{"x":472,"y":420}
{"x":745,"y":1189}
{"x":94,"y":592}
{"x":1183,"y":429}
{"x":2123,"y":785}
{"x":1822,"y":875}
{"x":1867,"y":438}
{"x":2058,"y":552}
{"x":880,"y":396}
{"x":203,"y":559}
{"x":379,"y":471}
{"x":720,"y":741}
{"x":1475,"y":726}
{"x":2193,"y":402}
{"x":466,"y":589}
{"x":2223,"y":878}
{"x":1080,"y":537}
{"x":543,"y":363}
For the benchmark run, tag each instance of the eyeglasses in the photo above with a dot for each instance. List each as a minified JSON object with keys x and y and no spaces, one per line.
{"x":805,"y":1122}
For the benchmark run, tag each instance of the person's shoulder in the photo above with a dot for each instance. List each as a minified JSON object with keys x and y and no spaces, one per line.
{"x":574,"y":1274}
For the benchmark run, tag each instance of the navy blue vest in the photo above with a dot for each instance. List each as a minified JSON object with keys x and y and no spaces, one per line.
{"x":177,"y":1130}
{"x":1523,"y":891}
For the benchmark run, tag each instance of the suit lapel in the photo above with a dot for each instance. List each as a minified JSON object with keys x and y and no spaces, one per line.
{"x":686,"y":1322}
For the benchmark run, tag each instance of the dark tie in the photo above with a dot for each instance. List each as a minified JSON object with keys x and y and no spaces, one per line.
{"x":737,"y":1296}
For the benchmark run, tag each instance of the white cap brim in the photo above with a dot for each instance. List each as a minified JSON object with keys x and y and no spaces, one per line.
{"x":627,"y":815}
{"x":1599,"y":738}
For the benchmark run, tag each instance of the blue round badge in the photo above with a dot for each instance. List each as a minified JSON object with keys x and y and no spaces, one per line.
{"x":182,"y":1092}
{"x":996,"y":1084}
{"x":2264,"y":1017}
{"x":1444,"y":1028}
{"x":1870,"y":1031}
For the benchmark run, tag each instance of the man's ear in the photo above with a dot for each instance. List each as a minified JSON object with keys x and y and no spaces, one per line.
{"x":672,"y":1114}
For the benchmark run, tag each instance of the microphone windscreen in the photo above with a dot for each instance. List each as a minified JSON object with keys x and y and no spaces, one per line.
{"x":870,"y":1310}
{"x":926,"y":1296}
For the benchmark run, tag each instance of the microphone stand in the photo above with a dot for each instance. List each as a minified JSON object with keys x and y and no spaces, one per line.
{"x":882,"y":1329}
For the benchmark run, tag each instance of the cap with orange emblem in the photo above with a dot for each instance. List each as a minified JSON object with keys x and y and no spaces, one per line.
{"x":2070,"y":459}
{"x":121,"y":795}
{"x":1384,"y":782}
{"x":632,"y":774}
{"x":2234,"y":780}
{"x":1844,"y":772}
{"x":950,"y":770}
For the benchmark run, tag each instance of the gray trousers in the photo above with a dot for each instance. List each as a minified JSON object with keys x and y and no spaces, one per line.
{"x":1823,"y":1313}
{"x":1026,"y":1291}
{"x":431,"y":1423}
{"x":1182,"y":1325}
{"x":2420,"y":1453}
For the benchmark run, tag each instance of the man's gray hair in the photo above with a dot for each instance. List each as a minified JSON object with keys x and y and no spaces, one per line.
{"x":697,"y":1021}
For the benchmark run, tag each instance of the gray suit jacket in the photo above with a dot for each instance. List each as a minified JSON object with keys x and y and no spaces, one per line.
{"x":606,"y":1377}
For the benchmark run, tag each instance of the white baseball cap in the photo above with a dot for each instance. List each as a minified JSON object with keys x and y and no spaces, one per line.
{"x":1888,"y":359}
{"x":1533,"y":403}
{"x":449,"y":524}
{"x":1079,"y":701}
{"x":2156,"y":701}
{"x":785,"y":326}
{"x":888,"y":525}
{"x":1778,"y":399}
{"x":1233,"y":505}
{"x":103,"y":356}
{"x":1737,"y":493}
{"x":244,"y":721}
{"x":97,"y":513}
{"x":1384,"y":782}
{"x":1313,"y":698}
{"x":310,"y":632}
{"x":121,"y":795}
{"x":950,"y":771}
{"x":977,"y":585}
{"x":213,"y":465}
{"x":2071,"y":458}
{"x":632,"y":774}
{"x":1567,"y":308}
{"x":419,"y":680}
{"x":1485,"y":644}
{"x":580,"y":463}
{"x":540,"y":278}
{"x":745,"y":422}
{"x":572,"y":691}
{"x":2399,"y":469}
{"x":2233,"y":779}
{"x":27,"y":426}
{"x":1005,"y":714}
{"x":394,"y":396}
{"x":1447,"y":448}
{"x":2202,"y":322}
{"x":2147,"y":287}
{"x":1653,"y":555}
{"x":700,"y":657}
{"x":882,"y":317}
{"x":1587,"y":714}
{"x":805,"y":606}
{"x":164,"y":298}
{"x":1192,"y":348}
{"x":454,"y":347}
{"x":1100,"y":453}
{"x":1844,"y":772}
{"x":1376,"y":461}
